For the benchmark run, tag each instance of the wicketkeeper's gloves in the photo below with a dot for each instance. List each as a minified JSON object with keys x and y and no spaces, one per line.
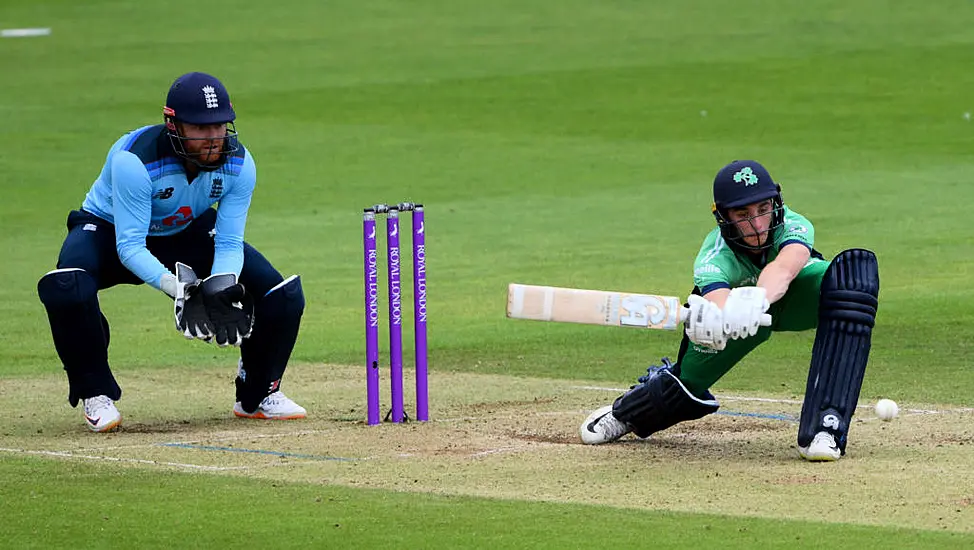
{"x":229,"y":308}
{"x":189,"y":310}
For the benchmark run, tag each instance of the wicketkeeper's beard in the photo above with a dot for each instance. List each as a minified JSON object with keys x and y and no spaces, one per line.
{"x":204,"y":151}
{"x":210,"y":154}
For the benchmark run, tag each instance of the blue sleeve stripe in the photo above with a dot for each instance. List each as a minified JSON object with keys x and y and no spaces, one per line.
{"x":164,"y":160}
{"x":160,"y":172}
{"x":713,"y":286}
{"x":806,"y":245}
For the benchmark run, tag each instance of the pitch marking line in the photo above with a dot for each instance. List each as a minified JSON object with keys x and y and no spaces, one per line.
{"x":66,"y":454}
{"x":280,"y":454}
{"x":788,"y":401}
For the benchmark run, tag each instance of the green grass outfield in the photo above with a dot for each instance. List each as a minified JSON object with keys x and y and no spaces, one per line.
{"x":565,"y":143}
{"x":202,"y":511}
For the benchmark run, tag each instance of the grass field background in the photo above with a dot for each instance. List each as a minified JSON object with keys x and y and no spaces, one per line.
{"x":564,"y":143}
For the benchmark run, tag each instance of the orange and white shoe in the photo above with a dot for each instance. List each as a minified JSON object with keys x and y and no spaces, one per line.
{"x":101,"y":415}
{"x":275,"y":406}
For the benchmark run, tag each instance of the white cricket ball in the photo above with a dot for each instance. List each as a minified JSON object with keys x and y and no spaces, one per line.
{"x":887,"y":409}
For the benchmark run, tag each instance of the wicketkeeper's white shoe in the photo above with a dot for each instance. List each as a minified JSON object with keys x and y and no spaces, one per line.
{"x":101,"y":414}
{"x":602,"y":427}
{"x":275,"y":406}
{"x":821,"y":449}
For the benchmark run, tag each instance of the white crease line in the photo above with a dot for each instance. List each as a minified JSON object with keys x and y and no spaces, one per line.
{"x":496,"y":451}
{"x":66,"y":454}
{"x":111,"y":448}
{"x":237,"y":437}
{"x":786,"y":401}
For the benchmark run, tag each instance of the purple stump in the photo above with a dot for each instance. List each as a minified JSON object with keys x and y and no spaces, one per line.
{"x":395,"y":315}
{"x":371,"y":317}
{"x":419,"y":310}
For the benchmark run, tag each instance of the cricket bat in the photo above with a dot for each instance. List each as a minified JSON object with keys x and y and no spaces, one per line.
{"x":594,"y":307}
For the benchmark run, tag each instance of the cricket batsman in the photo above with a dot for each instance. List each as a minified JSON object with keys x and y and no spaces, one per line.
{"x":760,"y":259}
{"x":150,"y":218}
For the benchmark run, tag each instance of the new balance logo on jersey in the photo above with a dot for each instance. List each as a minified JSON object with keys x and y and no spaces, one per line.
{"x":209,"y":94}
{"x":163,"y":194}
{"x":216,"y":189}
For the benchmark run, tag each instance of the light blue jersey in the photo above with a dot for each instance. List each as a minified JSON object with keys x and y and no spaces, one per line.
{"x":144,"y":191}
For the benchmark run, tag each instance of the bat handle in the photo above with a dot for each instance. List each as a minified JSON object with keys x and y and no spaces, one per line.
{"x":766,"y":320}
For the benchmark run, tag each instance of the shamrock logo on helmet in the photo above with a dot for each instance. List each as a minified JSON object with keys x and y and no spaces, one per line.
{"x":747,"y":176}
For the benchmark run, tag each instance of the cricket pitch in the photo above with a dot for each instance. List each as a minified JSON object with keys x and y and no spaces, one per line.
{"x":517,"y":438}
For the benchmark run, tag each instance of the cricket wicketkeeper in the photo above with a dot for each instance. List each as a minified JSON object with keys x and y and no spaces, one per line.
{"x":759,"y":260}
{"x":149,"y":218}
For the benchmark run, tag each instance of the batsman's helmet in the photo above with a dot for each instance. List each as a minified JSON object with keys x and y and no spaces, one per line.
{"x":199,"y":98}
{"x":741,"y":183}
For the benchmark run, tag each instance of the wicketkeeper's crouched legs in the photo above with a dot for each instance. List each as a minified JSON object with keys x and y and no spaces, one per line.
{"x":80,"y":332}
{"x":264,"y":356}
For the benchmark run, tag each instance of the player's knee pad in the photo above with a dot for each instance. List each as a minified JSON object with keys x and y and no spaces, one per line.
{"x":67,"y":288}
{"x":71,"y":288}
{"x":847,"y":313}
{"x":79,"y":329}
{"x":284,"y":301}
{"x":71,"y":298}
{"x":659,"y":403}
{"x":277,"y":319}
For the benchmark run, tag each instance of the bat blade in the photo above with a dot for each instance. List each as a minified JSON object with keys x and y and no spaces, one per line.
{"x":594,"y":307}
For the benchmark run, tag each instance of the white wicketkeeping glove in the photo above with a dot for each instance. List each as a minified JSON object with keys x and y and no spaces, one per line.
{"x":189,"y":309}
{"x":744,"y":311}
{"x":705,"y":323}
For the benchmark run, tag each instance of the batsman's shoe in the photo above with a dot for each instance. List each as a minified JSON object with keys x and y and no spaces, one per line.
{"x":101,"y":414}
{"x":602,"y":427}
{"x":275,"y":406}
{"x":821,"y":449}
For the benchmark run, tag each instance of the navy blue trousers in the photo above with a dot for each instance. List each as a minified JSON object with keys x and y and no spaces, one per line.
{"x":90,"y":245}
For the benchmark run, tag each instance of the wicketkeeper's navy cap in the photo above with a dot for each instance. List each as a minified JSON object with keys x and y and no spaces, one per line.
{"x":199,"y":98}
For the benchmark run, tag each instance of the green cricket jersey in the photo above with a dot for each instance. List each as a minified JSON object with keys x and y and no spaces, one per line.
{"x":718,"y":266}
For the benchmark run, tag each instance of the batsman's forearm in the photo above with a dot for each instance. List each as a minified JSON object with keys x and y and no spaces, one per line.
{"x":718,"y":296}
{"x":775,"y":280}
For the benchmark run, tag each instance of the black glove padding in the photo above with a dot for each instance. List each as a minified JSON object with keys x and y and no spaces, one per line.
{"x":189,"y":310}
{"x":229,"y":308}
